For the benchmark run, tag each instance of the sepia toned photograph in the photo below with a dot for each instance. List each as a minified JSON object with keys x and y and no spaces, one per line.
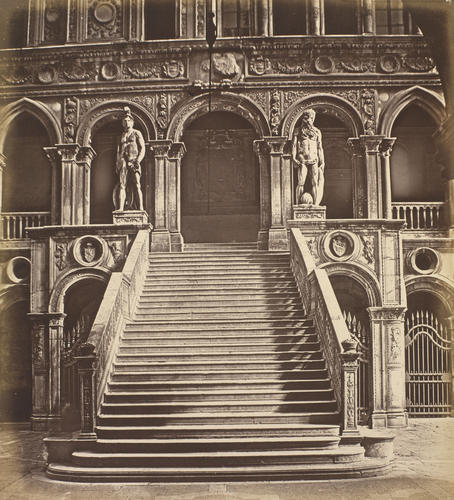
{"x":226,"y":249}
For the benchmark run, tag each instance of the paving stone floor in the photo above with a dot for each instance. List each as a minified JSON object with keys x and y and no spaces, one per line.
{"x":423,"y":470}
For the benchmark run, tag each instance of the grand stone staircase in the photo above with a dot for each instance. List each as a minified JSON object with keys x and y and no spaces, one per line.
{"x":219,"y":376}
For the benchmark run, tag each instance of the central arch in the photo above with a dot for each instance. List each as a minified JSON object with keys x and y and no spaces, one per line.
{"x":220,"y":180}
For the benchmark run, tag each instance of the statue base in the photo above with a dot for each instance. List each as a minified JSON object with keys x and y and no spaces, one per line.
{"x":122,"y":217}
{"x":309,"y":212}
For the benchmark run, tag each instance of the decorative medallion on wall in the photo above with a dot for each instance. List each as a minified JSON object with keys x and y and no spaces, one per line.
{"x":389,"y":63}
{"x":423,"y":260}
{"x":18,"y":269}
{"x":89,"y":251}
{"x":47,"y":74}
{"x":110,"y":71}
{"x":104,"y":19}
{"x":340,"y":246}
{"x":324,"y":64}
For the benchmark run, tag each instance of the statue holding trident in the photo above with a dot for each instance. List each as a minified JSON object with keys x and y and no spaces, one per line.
{"x":308,"y":157}
{"x":130,"y":153}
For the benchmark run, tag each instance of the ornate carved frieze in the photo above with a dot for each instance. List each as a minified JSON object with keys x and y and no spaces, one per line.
{"x":70,"y":118}
{"x":368,"y":110}
{"x":275,"y":111}
{"x":260,"y":98}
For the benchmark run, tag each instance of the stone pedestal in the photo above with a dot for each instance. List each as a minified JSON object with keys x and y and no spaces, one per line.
{"x":130,"y":217}
{"x":309,"y":212}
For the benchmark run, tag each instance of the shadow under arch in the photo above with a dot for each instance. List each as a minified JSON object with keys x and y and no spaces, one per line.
{"x":194,"y":108}
{"x":113,"y":111}
{"x":57,"y":296}
{"x":36,"y":109}
{"x":429,"y":101}
{"x":437,"y":286}
{"x":323,"y":104}
{"x":363,"y":276}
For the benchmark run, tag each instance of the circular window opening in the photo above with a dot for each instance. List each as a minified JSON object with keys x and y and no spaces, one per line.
{"x":18,"y":269}
{"x":425,"y":261}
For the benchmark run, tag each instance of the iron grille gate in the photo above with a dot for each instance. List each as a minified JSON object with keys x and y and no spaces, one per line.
{"x":360,"y":332}
{"x":428,"y":365}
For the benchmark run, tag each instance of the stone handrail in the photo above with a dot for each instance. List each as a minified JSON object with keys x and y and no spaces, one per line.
{"x":97,"y":353}
{"x":321,"y":305}
{"x":13,"y":224}
{"x":419,"y":215}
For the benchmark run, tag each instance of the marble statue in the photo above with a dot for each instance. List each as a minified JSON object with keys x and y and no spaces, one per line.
{"x":308,"y":158}
{"x":130,"y":152}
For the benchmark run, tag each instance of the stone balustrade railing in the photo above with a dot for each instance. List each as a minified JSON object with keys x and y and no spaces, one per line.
{"x":338,"y":346}
{"x":95,"y":356}
{"x":13,"y":224}
{"x":419,"y":215}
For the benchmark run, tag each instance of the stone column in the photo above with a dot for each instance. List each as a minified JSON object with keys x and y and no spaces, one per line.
{"x":288,"y":191}
{"x":47,"y":337}
{"x":315,"y":22}
{"x":262,"y":151}
{"x":2,"y":168}
{"x":277,"y":236}
{"x":54,"y":159}
{"x":86,"y":361}
{"x":160,"y":238}
{"x":176,"y":153}
{"x":366,"y":150}
{"x":368,"y":17}
{"x":358,"y":179}
{"x":386,"y":147}
{"x":349,"y":359}
{"x":84,"y":159}
{"x":70,"y":198}
{"x":265,"y":18}
{"x":388,"y":367}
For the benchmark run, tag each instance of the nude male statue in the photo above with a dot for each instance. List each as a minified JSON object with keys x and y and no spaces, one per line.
{"x":308,"y":157}
{"x":130,"y":152}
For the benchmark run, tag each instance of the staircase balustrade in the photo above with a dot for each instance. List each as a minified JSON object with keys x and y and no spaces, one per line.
{"x":13,"y":224}
{"x":339,"y":347}
{"x":96,"y":354}
{"x":419,"y":215}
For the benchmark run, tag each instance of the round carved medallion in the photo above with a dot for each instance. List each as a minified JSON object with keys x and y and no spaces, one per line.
{"x":110,"y":71}
{"x":389,"y":63}
{"x":324,"y":64}
{"x":89,"y":250}
{"x":104,"y":12}
{"x":340,"y":245}
{"x":424,"y":260}
{"x":47,"y":74}
{"x":18,"y":269}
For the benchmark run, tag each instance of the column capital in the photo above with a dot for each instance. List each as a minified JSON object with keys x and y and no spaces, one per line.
{"x":177,"y":150}
{"x":275,"y":144}
{"x":52,"y":155}
{"x":371,"y":143}
{"x":386,"y":146}
{"x":386,"y":313}
{"x":86,"y":155}
{"x":67,"y":152}
{"x":160,"y":148}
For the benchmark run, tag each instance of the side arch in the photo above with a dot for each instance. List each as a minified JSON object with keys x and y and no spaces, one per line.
{"x":193,"y":108}
{"x":112,"y":111}
{"x":366,"y":279}
{"x":35,"y":108}
{"x":326,"y":104}
{"x":429,"y":101}
{"x":438,"y":286}
{"x":57,"y":296}
{"x":13,"y":294}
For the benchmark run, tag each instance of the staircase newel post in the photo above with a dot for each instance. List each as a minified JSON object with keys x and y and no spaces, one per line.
{"x":349,"y":360}
{"x":86,"y":363}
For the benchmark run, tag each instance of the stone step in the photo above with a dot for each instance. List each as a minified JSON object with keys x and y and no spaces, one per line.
{"x":232,"y":356}
{"x":213,"y":418}
{"x":343,"y":454}
{"x":220,"y":276}
{"x":217,"y":444}
{"x":221,"y":306}
{"x":137,"y":394}
{"x":220,"y":300}
{"x":216,"y":349}
{"x":221,"y":331}
{"x":226,"y":291}
{"x":204,"y":286}
{"x":309,"y":341}
{"x":219,"y":430}
{"x":218,"y":265}
{"x":175,"y":315}
{"x":140,"y":381}
{"x":368,"y":467}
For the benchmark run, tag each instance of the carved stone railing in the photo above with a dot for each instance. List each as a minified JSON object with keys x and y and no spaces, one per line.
{"x":13,"y":224}
{"x":419,"y":215}
{"x":322,"y":307}
{"x":96,"y":354}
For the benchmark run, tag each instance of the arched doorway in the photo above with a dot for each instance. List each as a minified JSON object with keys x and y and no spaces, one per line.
{"x":354,"y":302}
{"x":428,"y":360}
{"x":338,"y":192}
{"x":220,"y":195}
{"x":16,"y":365}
